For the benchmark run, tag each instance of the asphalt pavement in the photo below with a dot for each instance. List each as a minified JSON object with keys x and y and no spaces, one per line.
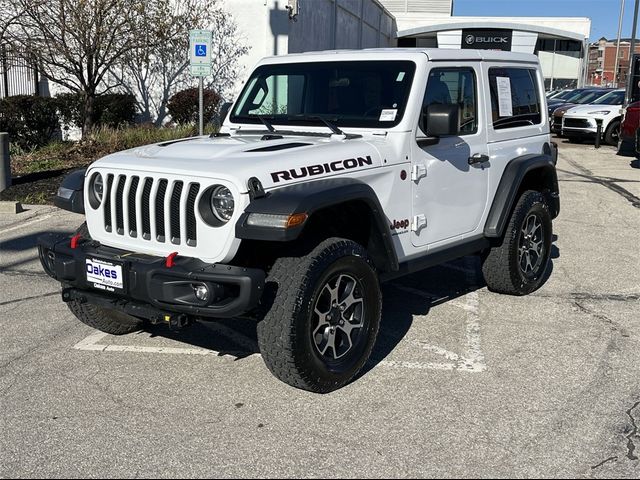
{"x":463,"y":383}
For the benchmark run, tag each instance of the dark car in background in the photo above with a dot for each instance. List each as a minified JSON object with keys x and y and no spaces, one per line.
{"x":584,"y":97}
{"x":560,"y":94}
{"x":555,"y":102}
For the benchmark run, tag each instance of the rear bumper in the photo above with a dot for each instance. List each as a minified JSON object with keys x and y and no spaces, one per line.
{"x":151,"y":289}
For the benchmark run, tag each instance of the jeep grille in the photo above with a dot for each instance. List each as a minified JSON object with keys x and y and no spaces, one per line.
{"x":131,"y":201}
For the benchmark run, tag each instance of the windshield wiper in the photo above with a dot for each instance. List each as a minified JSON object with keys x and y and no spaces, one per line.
{"x":330,"y":125}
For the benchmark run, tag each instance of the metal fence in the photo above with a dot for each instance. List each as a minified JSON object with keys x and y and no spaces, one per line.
{"x":18,"y":73}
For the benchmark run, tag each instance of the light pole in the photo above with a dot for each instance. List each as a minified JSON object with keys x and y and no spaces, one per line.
{"x":615,"y":70}
{"x":631,"y":76}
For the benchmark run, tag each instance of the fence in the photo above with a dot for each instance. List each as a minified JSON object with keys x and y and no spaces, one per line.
{"x":18,"y":73}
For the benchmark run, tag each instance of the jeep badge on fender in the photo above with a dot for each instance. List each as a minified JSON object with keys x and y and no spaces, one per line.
{"x":302,"y":205}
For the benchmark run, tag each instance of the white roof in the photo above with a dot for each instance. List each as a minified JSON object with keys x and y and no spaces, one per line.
{"x":433,"y":54}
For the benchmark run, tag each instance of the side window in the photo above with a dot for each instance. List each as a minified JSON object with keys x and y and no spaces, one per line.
{"x":515,"y":100}
{"x":454,"y":86}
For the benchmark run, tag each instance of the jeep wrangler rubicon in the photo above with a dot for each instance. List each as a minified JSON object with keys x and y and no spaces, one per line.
{"x":332,"y":172}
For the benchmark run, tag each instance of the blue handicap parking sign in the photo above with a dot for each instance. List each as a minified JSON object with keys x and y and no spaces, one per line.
{"x":201,"y":50}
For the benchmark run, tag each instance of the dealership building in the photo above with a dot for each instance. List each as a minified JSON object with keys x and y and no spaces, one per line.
{"x":292,"y":26}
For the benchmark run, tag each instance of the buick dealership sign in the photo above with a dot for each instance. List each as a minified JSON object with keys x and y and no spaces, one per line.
{"x":485,"y":39}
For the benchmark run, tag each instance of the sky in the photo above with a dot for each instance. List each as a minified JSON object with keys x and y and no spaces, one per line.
{"x":604,"y":14}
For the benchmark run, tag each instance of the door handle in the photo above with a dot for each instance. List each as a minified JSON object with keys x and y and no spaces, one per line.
{"x":478,"y":158}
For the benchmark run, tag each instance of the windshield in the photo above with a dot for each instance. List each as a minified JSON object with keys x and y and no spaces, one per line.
{"x":586,"y":97}
{"x":564,"y":95}
{"x":370,"y":94}
{"x":613,"y":98}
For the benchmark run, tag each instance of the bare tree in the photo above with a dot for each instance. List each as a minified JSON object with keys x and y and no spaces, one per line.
{"x":10,"y":13}
{"x":158,"y":67}
{"x":77,"y":42}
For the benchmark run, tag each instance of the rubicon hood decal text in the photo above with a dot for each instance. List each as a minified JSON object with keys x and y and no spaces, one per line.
{"x":320,"y":169}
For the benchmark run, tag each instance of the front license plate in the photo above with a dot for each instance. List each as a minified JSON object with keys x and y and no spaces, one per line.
{"x":105,"y":275}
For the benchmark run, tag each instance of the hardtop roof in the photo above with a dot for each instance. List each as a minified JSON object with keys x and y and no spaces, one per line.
{"x":433,"y":54}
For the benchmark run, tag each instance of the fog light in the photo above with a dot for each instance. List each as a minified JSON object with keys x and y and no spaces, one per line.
{"x":201,"y":292}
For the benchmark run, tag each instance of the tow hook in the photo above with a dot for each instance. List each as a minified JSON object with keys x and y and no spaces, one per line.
{"x":177,"y":322}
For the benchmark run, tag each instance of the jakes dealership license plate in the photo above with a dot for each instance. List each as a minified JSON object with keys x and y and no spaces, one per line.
{"x":105,"y":275}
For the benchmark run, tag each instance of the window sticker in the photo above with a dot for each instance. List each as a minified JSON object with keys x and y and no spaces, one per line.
{"x":400,"y":77}
{"x":505,"y":102}
{"x":388,"y":115}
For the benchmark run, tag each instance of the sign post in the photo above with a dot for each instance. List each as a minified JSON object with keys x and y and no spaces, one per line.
{"x":200,"y":65}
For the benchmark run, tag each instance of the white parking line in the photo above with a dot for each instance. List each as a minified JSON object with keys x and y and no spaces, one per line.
{"x":27,"y":224}
{"x":91,"y":344}
{"x":472,"y":360}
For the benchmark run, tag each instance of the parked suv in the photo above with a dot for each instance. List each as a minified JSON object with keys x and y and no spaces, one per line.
{"x":587,"y":97}
{"x":581,"y":122}
{"x":334,"y":171}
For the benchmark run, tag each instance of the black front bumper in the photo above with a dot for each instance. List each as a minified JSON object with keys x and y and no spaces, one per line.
{"x":151,"y":289}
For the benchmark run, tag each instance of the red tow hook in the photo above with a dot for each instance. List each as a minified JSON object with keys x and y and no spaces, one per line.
{"x":170,"y":261}
{"x":75,"y":240}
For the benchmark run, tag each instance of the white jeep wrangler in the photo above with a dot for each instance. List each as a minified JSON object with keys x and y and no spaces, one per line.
{"x":333,"y":171}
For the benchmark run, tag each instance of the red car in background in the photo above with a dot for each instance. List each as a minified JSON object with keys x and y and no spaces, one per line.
{"x":628,"y":129}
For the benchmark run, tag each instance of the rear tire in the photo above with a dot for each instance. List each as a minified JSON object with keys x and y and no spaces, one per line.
{"x":322,"y":325}
{"x":518,"y":265}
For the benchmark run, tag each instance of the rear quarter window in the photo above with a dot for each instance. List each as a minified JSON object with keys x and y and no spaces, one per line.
{"x":515,"y":97}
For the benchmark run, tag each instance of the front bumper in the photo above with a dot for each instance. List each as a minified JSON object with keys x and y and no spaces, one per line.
{"x":151,"y":289}
{"x":579,"y":126}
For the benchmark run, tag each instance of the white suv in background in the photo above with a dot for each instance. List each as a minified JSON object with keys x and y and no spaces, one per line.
{"x":580,"y":122}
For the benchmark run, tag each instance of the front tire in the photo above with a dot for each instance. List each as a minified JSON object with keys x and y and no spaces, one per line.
{"x":104,"y":319}
{"x":612,"y":134}
{"x":518,"y":265}
{"x":100,"y":318}
{"x":322,"y":326}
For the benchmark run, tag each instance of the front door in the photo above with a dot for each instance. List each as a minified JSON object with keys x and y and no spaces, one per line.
{"x":449,"y":189}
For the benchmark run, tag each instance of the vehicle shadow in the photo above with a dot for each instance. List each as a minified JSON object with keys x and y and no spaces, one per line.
{"x":413,"y":295}
{"x":404,"y":299}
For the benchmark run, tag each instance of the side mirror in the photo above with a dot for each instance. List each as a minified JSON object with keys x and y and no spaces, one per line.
{"x":439,"y":120}
{"x":224,"y":111}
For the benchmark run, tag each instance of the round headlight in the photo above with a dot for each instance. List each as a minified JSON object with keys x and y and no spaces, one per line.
{"x":96,"y":190}
{"x":98,"y":187}
{"x":222,"y":203}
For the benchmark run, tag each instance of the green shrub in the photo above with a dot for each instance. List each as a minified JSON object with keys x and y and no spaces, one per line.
{"x":183,"y":106}
{"x":110,"y":110}
{"x":31,"y":121}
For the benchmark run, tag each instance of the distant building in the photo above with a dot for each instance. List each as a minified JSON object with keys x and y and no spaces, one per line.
{"x":602,"y":62}
{"x":560,"y":42}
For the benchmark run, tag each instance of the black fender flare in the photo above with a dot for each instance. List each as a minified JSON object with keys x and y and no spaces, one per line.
{"x":507,"y":193}
{"x":74,"y":185}
{"x":312,"y":197}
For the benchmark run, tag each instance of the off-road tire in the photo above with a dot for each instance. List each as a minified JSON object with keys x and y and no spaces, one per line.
{"x":500,"y":267}
{"x":612,"y":134}
{"x":100,"y":318}
{"x":286,"y":332}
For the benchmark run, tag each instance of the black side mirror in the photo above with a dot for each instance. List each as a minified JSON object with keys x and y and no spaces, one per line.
{"x":439,"y":120}
{"x":224,"y":111}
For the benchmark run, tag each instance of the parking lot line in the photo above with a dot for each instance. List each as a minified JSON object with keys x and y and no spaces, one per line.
{"x":91,"y":344}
